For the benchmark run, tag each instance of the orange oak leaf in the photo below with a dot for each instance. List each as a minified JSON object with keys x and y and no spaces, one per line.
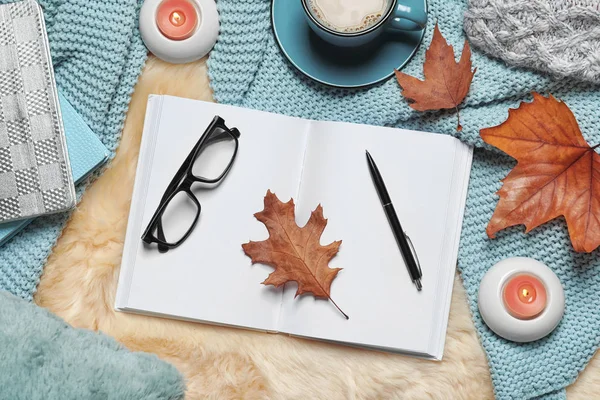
{"x":446,"y":82}
{"x":557,"y":172}
{"x":295,"y":253}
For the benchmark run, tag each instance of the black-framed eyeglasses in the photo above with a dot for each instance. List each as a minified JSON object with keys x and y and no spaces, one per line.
{"x":179,"y":210}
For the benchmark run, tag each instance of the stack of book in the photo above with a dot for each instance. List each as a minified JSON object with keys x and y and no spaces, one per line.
{"x":86,"y":154}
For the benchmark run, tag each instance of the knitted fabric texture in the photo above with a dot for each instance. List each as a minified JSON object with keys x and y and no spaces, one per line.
{"x":248,"y":69}
{"x":561,"y":37}
{"x":98,"y":55}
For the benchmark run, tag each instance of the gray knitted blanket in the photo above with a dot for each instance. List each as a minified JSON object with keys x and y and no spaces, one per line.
{"x":560,"y":37}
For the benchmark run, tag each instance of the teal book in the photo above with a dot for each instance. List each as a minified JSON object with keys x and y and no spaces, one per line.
{"x":86,"y":153}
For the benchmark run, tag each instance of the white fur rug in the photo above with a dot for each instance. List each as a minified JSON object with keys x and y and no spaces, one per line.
{"x":80,"y":280}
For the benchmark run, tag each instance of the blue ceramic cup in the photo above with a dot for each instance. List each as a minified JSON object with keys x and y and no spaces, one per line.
{"x":398,"y":17}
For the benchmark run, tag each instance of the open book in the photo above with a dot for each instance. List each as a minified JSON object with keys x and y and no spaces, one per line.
{"x":210,"y":279}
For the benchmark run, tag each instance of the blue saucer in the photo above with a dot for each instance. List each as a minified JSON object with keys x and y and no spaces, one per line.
{"x":333,"y":66}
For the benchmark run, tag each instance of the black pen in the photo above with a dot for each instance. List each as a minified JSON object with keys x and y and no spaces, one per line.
{"x":404,"y":242}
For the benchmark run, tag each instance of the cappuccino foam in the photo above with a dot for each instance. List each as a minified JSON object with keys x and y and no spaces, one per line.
{"x":349,"y":16}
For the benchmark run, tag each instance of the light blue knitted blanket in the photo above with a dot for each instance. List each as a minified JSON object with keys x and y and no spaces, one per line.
{"x":247,"y":69}
{"x":98,"y":55}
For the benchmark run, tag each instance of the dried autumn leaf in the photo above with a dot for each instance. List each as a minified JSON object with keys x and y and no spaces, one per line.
{"x":446,"y":82}
{"x":295,"y":253}
{"x":557,"y":173}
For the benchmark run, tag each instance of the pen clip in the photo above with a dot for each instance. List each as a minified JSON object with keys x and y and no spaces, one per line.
{"x":414,"y":253}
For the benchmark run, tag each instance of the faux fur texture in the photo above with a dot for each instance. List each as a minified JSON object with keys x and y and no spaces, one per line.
{"x":36,"y":357}
{"x":80,"y":280}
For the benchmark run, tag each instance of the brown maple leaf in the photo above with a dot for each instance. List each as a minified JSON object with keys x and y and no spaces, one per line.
{"x":295,"y":253}
{"x":557,"y":172}
{"x":446,"y":82}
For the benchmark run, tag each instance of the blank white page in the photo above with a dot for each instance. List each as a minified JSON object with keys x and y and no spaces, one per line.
{"x":374,"y":288}
{"x":209,"y":278}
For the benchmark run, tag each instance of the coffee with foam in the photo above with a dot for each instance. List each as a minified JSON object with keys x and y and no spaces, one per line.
{"x":349,"y":16}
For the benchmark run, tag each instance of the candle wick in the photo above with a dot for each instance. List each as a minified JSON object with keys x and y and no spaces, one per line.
{"x":177,"y":18}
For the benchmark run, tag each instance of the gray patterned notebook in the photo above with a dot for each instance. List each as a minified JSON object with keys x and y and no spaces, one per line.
{"x":35,"y":175}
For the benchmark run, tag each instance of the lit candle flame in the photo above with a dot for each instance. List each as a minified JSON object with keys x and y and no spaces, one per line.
{"x":527,"y":293}
{"x":177,"y":18}
{"x":524,"y":296}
